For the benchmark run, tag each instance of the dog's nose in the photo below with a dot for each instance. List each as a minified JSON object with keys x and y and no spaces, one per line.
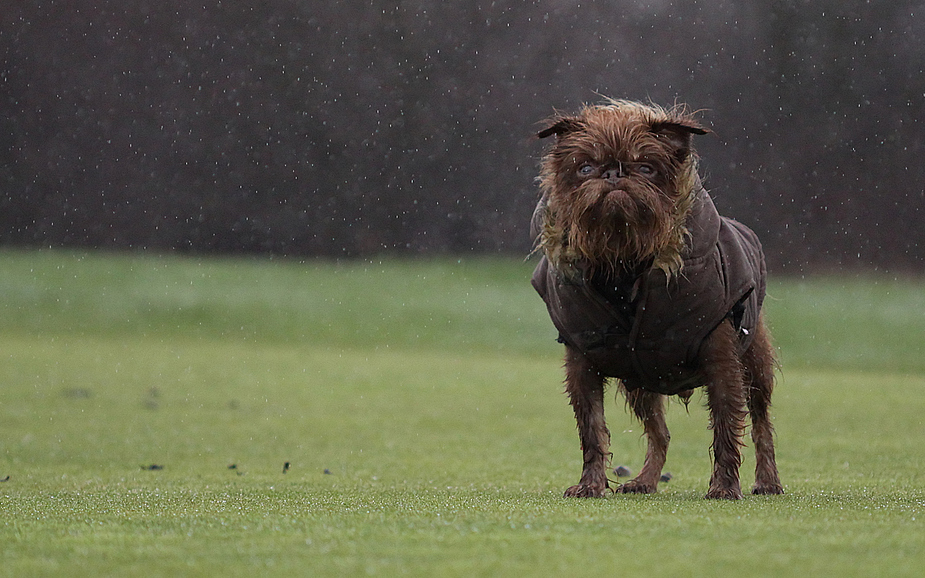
{"x":614,"y":174}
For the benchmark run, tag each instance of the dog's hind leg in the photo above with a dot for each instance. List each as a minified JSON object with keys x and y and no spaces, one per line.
{"x":650,"y":409}
{"x":759,"y":375}
{"x":585,"y":388}
{"x":726,"y":399}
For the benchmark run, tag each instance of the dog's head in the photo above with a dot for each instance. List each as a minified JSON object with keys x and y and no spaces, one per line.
{"x":617,"y":185}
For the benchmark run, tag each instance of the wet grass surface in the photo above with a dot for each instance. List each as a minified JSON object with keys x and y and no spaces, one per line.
{"x":149,"y":406}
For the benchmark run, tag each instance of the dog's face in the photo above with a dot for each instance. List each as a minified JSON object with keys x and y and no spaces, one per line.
{"x":617,"y":184}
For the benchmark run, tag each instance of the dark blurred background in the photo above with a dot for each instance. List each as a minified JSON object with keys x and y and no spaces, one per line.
{"x":356,"y":128}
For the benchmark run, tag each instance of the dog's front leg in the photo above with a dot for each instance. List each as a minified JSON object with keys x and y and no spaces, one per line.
{"x":726,"y":397}
{"x":585,"y":387}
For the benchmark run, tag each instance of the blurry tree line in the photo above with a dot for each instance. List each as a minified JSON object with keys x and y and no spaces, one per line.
{"x":356,"y":127}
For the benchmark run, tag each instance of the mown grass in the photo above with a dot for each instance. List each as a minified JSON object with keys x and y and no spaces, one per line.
{"x":419,"y":407}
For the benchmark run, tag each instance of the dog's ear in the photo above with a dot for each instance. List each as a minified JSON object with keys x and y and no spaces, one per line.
{"x":560,"y":126}
{"x":678,"y":133}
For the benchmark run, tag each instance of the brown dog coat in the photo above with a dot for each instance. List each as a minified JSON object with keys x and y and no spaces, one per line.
{"x":723,"y":276}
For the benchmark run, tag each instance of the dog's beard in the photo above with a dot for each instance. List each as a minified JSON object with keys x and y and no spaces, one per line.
{"x":607,"y":225}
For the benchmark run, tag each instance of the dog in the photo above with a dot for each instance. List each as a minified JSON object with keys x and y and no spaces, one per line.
{"x":647,"y":284}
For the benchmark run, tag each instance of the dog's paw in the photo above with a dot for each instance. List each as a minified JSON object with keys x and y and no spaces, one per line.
{"x":767,"y":489}
{"x":724,"y":494}
{"x":636,"y":487}
{"x":586,"y":491}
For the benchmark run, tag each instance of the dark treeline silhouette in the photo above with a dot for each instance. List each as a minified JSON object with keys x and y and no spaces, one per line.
{"x":352,"y":128}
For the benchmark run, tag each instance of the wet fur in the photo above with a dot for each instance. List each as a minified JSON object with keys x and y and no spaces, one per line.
{"x":580,"y":221}
{"x":575,"y":224}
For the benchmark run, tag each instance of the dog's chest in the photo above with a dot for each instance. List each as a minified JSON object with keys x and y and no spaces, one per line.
{"x":620,"y":289}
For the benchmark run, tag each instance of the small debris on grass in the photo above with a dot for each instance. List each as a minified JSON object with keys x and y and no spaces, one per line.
{"x":6,"y":479}
{"x":153,"y":467}
{"x":151,"y":401}
{"x":285,"y":467}
{"x":666,"y":477}
{"x":327,"y":472}
{"x":233,"y":467}
{"x":623,"y":472}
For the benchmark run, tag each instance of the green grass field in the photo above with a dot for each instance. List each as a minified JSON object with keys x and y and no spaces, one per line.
{"x":419,"y":406}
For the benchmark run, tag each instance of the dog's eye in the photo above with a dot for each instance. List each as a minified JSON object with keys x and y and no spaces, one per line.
{"x":586,"y":170}
{"x":646,"y":170}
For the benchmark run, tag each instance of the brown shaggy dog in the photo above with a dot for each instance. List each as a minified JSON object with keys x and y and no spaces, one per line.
{"x":647,"y":284}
